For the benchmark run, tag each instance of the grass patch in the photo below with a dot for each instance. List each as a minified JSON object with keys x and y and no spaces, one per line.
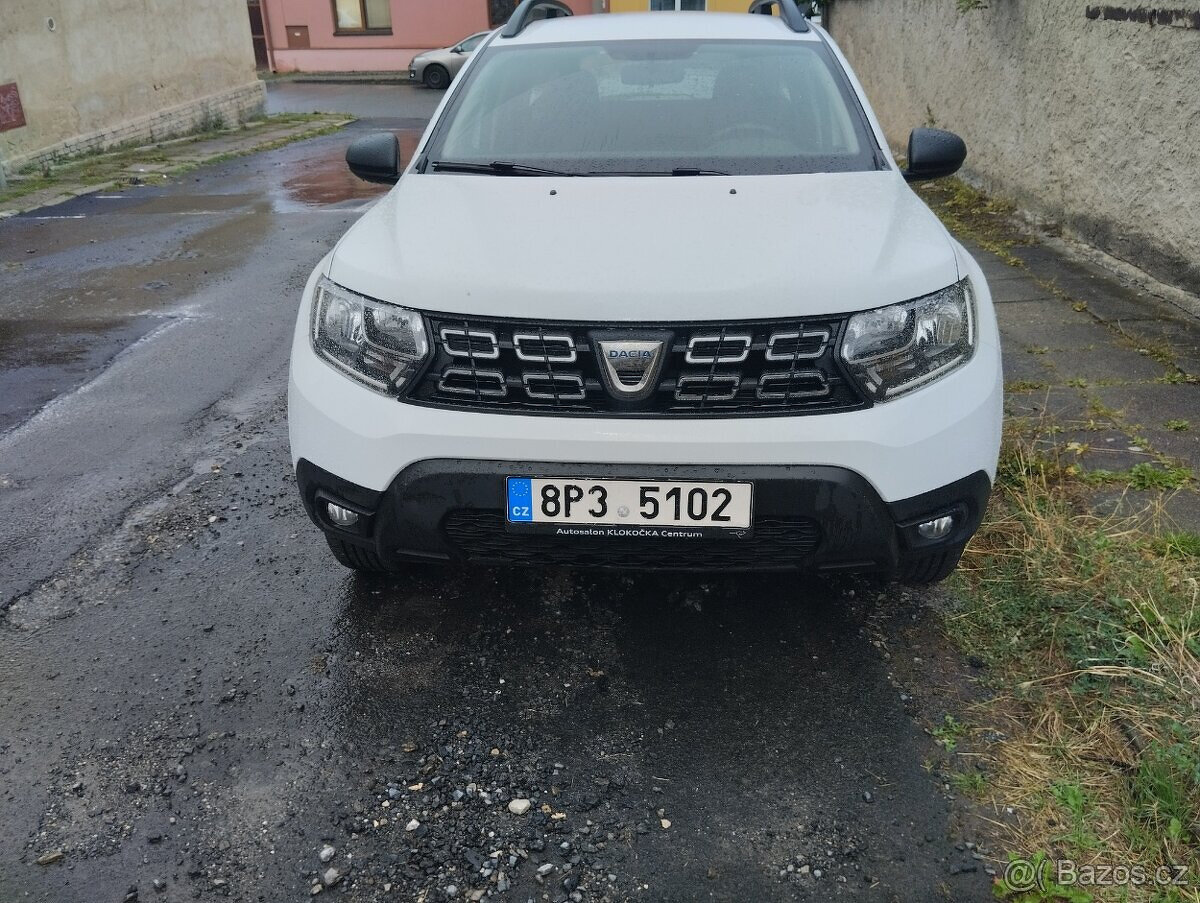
{"x":969,"y":783}
{"x":1141,"y":477}
{"x":1178,"y":426}
{"x":1025,"y":385}
{"x":1177,"y":544}
{"x":1092,"y":629}
{"x":948,"y":733}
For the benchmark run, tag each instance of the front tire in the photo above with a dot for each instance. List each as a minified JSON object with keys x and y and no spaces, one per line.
{"x":364,"y":561}
{"x":437,"y":77}
{"x":933,"y":567}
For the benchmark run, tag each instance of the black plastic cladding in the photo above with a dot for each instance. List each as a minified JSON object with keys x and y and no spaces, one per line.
{"x":524,"y":14}
{"x":789,"y":12}
{"x":707,"y":382}
{"x":777,"y":542}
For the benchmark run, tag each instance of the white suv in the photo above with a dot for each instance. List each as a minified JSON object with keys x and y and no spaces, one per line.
{"x":652,"y":293}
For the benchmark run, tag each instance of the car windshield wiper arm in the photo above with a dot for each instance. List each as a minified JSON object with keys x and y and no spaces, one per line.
{"x":497,"y":167}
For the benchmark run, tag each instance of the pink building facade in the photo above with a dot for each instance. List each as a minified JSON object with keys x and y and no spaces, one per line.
{"x":370,"y":35}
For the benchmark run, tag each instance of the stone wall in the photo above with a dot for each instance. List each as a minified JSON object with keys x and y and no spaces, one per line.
{"x":1086,"y":116}
{"x":99,"y":73}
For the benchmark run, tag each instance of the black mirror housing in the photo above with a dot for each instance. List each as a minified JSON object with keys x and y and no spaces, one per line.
{"x":375,"y":158}
{"x":933,"y":153}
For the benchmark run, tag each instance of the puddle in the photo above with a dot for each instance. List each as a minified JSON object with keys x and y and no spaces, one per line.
{"x":183,"y":203}
{"x":325,"y":179}
{"x":40,"y":359}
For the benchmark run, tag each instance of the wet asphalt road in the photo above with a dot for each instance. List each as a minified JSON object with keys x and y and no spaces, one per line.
{"x":196,"y":700}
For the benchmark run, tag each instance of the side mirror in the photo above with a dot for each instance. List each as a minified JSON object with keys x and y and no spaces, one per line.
{"x":933,"y":153}
{"x":375,"y":158}
{"x":456,"y":50}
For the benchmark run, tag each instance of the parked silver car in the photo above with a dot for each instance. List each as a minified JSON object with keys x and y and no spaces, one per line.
{"x":437,"y":68}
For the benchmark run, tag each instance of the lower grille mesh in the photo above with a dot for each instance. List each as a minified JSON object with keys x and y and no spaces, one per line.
{"x":481,"y":536}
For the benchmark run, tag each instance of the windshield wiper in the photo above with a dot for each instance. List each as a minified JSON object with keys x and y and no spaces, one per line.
{"x":497,"y":167}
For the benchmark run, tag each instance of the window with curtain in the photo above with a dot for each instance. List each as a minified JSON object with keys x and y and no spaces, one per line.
{"x":362,"y":15}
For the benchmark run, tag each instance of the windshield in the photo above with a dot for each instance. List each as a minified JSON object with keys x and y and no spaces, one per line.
{"x":655,"y":107}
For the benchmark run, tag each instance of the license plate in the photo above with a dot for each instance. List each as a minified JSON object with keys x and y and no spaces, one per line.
{"x":637,"y":508}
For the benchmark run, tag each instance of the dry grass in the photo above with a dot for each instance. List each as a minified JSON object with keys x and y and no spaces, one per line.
{"x":1091,"y":626}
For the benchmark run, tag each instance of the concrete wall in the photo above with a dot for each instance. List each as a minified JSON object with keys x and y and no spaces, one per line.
{"x":1083,"y":115}
{"x":417,"y":25}
{"x":121,"y":70}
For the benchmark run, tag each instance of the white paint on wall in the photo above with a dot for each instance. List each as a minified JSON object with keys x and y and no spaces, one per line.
{"x":1089,"y":123}
{"x":114,"y":70}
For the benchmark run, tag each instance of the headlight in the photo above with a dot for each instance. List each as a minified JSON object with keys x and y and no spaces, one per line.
{"x":894,"y":350}
{"x":378,"y":344}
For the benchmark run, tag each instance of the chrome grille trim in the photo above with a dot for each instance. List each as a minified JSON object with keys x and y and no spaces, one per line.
{"x":447,"y":333}
{"x":787,"y":377}
{"x":732,"y":382}
{"x":577,"y":392}
{"x":719,"y":355}
{"x":773,"y":355}
{"x":477,"y":376}
{"x":544,"y":339}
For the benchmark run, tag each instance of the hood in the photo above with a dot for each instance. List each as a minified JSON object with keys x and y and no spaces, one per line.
{"x":430,"y":56}
{"x":647,"y":249}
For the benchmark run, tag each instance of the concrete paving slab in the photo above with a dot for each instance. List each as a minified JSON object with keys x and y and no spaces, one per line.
{"x":1178,"y":337}
{"x":1112,"y":306}
{"x":1038,"y":324}
{"x":1023,"y":368}
{"x":1104,"y":449}
{"x":1046,"y":311}
{"x":1108,"y":364}
{"x":1016,"y":288}
{"x":1105,"y":295}
{"x":1150,"y":407}
{"x":1062,"y":404}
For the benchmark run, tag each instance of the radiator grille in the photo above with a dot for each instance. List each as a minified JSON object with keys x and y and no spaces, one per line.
{"x":741,"y":368}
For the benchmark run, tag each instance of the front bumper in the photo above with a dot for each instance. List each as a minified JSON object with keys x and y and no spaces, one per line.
{"x":805,"y":517}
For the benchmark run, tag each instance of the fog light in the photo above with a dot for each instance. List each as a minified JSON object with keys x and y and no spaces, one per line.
{"x":344,"y":517}
{"x":933,"y":529}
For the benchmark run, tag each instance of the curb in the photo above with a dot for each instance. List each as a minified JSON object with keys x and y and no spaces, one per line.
{"x":340,"y":78}
{"x":67,"y":191}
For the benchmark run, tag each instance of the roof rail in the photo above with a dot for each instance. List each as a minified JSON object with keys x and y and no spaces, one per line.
{"x":788,"y":11}
{"x":524,"y":14}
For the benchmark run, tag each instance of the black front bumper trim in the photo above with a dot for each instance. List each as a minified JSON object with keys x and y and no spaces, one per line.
{"x":805,"y":517}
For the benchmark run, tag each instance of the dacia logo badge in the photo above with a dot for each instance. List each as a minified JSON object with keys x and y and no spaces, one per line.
{"x":630,"y":363}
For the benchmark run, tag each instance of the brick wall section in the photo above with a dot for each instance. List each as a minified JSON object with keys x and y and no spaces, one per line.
{"x":231,"y":107}
{"x":1085,"y":115}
